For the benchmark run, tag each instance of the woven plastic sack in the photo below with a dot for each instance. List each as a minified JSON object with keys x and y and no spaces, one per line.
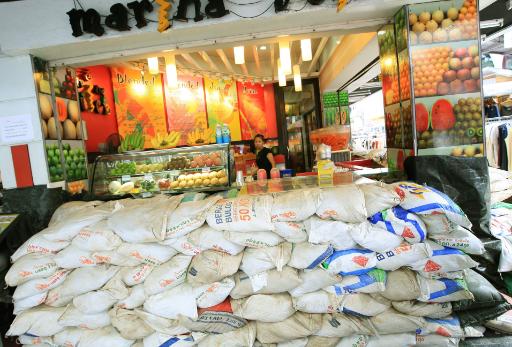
{"x":320,"y":341}
{"x":69,"y":337}
{"x":462,"y":239}
{"x":107,"y":336}
{"x":242,"y":337}
{"x":242,"y":214}
{"x":34,"y":340}
{"x":214,"y":293}
{"x":94,"y":302}
{"x":136,"y":275}
{"x":268,"y":282}
{"x":295,"y":206}
{"x":378,"y":197}
{"x":372,"y":282}
{"x":350,"y":262}
{"x":212,"y":266}
{"x":256,"y":239}
{"x":353,"y":341}
{"x":375,"y":239}
{"x":264,"y":307}
{"x":342,"y":325}
{"x":167,"y":275}
{"x":147,"y":253}
{"x":129,"y":325}
{"x":393,"y":322}
{"x":448,"y":326}
{"x":218,"y":319}
{"x":173,"y":302}
{"x":444,"y":259}
{"x":159,"y":339}
{"x":400,"y":222}
{"x":423,"y":309}
{"x":324,"y":302}
{"x":29,"y":267}
{"x":257,"y":260}
{"x":403,"y":255}
{"x":97,"y":237}
{"x":425,"y":200}
{"x":313,"y":280}
{"x":297,"y":326}
{"x":345,"y":203}
{"x":293,"y":232}
{"x":73,"y":257}
{"x":331,"y":232}
{"x":402,"y":285}
{"x":39,"y":285}
{"x":308,"y":256}
{"x":443,"y":290}
{"x":38,"y":244}
{"x":29,"y":302}
{"x":438,"y":224}
{"x":436,"y":341}
{"x":135,"y":298}
{"x":38,"y":321}
{"x":161,"y":324}
{"x":72,"y":317}
{"x":68,"y":208}
{"x":392,"y":340}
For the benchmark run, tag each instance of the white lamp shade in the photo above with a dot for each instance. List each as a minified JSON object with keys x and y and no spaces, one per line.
{"x":280,"y":74}
{"x":305,"y":49}
{"x":239,"y":55}
{"x":170,"y":71}
{"x":153,"y":65}
{"x":284,"y":55}
{"x":297,"y":80}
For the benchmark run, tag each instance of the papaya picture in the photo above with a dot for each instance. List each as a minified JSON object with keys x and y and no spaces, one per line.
{"x":422,"y":120}
{"x":62,"y":109}
{"x":443,"y":117}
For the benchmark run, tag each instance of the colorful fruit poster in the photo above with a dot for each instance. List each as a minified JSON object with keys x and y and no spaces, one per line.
{"x":139,"y":103}
{"x":253,"y":116}
{"x":222,"y":105}
{"x":186,"y":109}
{"x":388,"y":64}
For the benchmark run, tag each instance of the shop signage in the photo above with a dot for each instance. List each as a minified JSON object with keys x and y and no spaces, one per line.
{"x":16,"y":129}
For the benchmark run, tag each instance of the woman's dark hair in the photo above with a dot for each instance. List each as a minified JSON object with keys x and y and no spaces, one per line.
{"x":261,"y":137}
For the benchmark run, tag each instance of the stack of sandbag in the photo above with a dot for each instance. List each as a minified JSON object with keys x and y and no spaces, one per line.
{"x":365,"y":265}
{"x":501,"y":185}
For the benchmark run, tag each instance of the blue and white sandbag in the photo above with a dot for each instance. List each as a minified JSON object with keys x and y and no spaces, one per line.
{"x":448,"y":326}
{"x":373,"y":238}
{"x":353,"y":261}
{"x":443,"y":290}
{"x":372,"y":282}
{"x":462,"y":239}
{"x":400,"y":222}
{"x":308,"y":256}
{"x":425,"y":200}
{"x":332,"y":232}
{"x":403,"y":255}
{"x":443,"y":259}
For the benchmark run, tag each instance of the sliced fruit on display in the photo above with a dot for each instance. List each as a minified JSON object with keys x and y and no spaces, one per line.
{"x":443,"y":117}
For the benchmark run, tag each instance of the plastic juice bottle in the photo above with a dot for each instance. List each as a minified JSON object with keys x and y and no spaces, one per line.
{"x":325,"y":168}
{"x":226,"y":134}
{"x":218,"y":133}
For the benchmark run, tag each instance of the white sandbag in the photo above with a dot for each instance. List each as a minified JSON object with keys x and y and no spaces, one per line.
{"x":392,"y":340}
{"x":215,"y":320}
{"x":167,"y":275}
{"x":423,"y":309}
{"x":403,"y":255}
{"x":393,"y":322}
{"x":71,"y":207}
{"x":353,"y":341}
{"x":172,"y":302}
{"x":29,"y":267}
{"x":313,"y":280}
{"x":34,"y":340}
{"x":107,"y":336}
{"x":212,"y":266}
{"x":94,"y":302}
{"x":438,"y":224}
{"x":295,"y":206}
{"x":264,"y":307}
{"x":308,"y":256}
{"x":69,"y":337}
{"x":161,"y":324}
{"x":67,"y":228}
{"x":293,"y":232}
{"x":183,"y":245}
{"x":159,"y":339}
{"x":147,"y":253}
{"x":342,"y":325}
{"x":256,"y":239}
{"x":332,"y":232}
{"x":320,"y":341}
{"x":97,"y":237}
{"x":436,"y":341}
{"x":242,"y":337}
{"x":453,"y":275}
{"x":302,"y":342}
{"x":444,"y":259}
{"x":447,"y":326}
{"x":129,"y":325}
{"x":188,"y":217}
{"x":73,"y":257}
{"x":135,"y":298}
{"x":206,"y":238}
{"x":379,"y":197}
{"x":213,"y":294}
{"x":144,"y":220}
{"x":443,"y":290}
{"x":401,"y":222}
{"x":268,"y":282}
{"x":372,"y":282}
{"x":38,"y":321}
{"x":297,"y":326}
{"x":401,"y":285}
{"x":257,"y":260}
{"x":353,"y":261}
{"x":361,"y":304}
{"x":242,"y":214}
{"x":462,"y":239}
{"x":324,"y":302}
{"x":73,"y":317}
{"x":116,"y":287}
{"x":39,"y":285}
{"x":375,"y":239}
{"x":28,"y":302}
{"x":80,"y":281}
{"x":114,"y":258}
{"x":345,"y":203}
{"x":38,"y":244}
{"x":425,"y":200}
{"x":136,"y":275}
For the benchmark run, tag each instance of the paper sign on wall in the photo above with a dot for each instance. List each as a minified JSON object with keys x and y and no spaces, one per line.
{"x":16,"y":129}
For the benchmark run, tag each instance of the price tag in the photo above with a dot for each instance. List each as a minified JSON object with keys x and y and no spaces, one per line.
{"x":126,"y":178}
{"x":205,"y":169}
{"x":148,"y":177}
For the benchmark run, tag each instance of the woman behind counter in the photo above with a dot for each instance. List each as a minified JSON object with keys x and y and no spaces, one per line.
{"x":264,"y":157}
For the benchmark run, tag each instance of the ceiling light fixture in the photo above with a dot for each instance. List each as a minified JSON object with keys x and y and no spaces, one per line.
{"x":153,"y":65}
{"x":280,"y":74}
{"x":171,"y":72}
{"x":297,"y":80}
{"x":305,"y":49}
{"x":263,"y":47}
{"x":239,"y":55}
{"x":284,"y":55}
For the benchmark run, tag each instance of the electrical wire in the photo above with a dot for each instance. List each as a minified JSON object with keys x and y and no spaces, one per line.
{"x":258,"y":15}
{"x":249,"y":3}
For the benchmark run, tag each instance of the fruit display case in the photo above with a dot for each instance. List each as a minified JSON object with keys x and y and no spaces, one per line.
{"x":198,"y":168}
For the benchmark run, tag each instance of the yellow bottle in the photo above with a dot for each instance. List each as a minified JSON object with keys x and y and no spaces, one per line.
{"x":325,"y":168}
